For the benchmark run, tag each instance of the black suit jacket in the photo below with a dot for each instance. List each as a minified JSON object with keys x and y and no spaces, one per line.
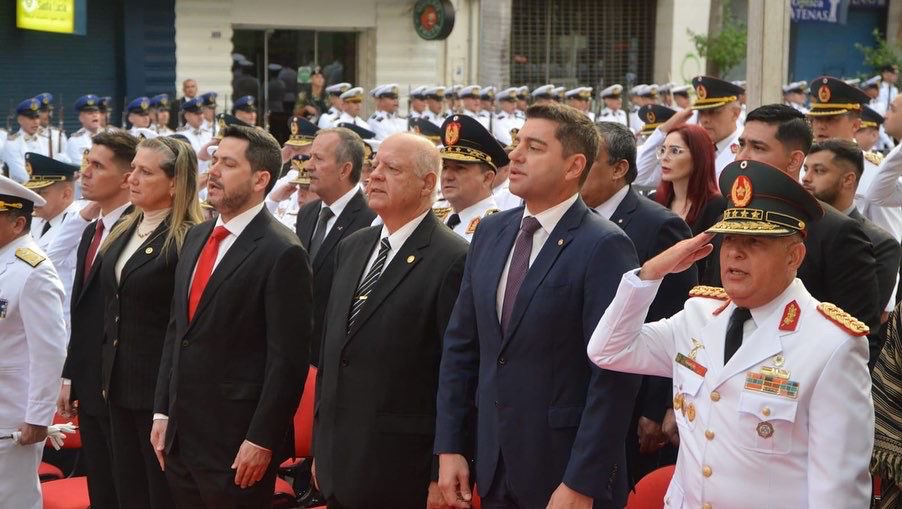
{"x":87,"y":304}
{"x":241,"y":363}
{"x":376,"y":385}
{"x":135,"y":317}
{"x":356,"y":215}
{"x":654,"y":228}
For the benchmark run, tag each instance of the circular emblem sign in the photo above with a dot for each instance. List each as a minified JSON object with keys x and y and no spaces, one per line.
{"x":433,"y":19}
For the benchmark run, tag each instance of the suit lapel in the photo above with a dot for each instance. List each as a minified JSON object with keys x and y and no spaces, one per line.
{"x":624,"y":213}
{"x":149,"y":250}
{"x":357,"y":256}
{"x":404,"y":260}
{"x":558,"y":241}
{"x":307,"y":218}
{"x":240,"y":249}
{"x":337,"y":232}
{"x":79,"y":284}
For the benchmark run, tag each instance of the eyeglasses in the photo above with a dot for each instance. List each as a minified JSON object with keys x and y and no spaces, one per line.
{"x":672,"y":151}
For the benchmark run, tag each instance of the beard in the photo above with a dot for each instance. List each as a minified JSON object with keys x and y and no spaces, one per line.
{"x":234,"y":198}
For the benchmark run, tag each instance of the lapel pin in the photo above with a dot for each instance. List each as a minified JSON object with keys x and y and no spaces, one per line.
{"x":619,"y":220}
{"x":560,"y":242}
{"x":148,"y":250}
{"x":339,"y":228}
{"x":410,"y":259}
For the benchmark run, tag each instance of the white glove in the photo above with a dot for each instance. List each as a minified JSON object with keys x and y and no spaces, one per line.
{"x":56,"y":433}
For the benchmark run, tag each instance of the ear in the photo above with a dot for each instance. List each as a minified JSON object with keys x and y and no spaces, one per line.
{"x":429,"y":182}
{"x":856,"y":124}
{"x":620,"y":169}
{"x":796,"y":160}
{"x":345,"y":172}
{"x":849,"y":180}
{"x":575,"y":167}
{"x":488,"y":177}
{"x":797,"y":255}
{"x":262,"y":180}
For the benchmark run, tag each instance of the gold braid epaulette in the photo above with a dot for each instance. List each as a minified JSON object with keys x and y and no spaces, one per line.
{"x":874,"y":157}
{"x":711,"y":292}
{"x":441,"y":212}
{"x":844,"y":320}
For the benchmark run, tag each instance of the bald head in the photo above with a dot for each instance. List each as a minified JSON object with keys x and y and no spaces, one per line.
{"x":403,"y":182}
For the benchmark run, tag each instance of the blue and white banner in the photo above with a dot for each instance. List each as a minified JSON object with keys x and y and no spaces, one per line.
{"x":820,"y":11}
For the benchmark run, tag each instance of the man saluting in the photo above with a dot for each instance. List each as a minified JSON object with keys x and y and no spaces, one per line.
{"x":771,"y":387}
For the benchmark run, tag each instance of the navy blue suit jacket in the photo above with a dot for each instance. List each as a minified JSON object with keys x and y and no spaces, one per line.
{"x":552,"y":414}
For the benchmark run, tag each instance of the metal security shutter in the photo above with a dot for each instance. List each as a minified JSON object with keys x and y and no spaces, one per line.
{"x":149,"y":43}
{"x":585,"y":42}
{"x":67,"y":66}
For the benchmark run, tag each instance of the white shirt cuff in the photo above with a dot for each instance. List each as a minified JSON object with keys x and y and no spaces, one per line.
{"x":160,"y":417}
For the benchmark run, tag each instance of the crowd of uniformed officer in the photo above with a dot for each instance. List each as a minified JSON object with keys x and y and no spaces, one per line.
{"x":475,"y":129}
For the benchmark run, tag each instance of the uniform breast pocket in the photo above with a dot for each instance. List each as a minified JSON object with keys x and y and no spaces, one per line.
{"x":687,"y":387}
{"x":766,"y":423}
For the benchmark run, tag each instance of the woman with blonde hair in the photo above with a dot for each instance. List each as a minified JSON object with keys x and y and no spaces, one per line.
{"x":140,"y":255}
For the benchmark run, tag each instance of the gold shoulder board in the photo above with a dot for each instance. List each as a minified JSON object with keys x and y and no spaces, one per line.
{"x":874,"y":157}
{"x":30,"y":257}
{"x":441,"y":212}
{"x":711,"y":292}
{"x":844,"y":320}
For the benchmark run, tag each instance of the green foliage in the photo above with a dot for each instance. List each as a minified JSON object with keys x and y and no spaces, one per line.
{"x":724,"y":50}
{"x":882,"y":53}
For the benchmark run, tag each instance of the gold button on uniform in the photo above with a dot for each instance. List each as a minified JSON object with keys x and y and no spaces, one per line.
{"x":709,"y":434}
{"x":707,"y":471}
{"x":690,"y":412}
{"x":715,"y":396}
{"x":765,"y":411}
{"x":707,"y":506}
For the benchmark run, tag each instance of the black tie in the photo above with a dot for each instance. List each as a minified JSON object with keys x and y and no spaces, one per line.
{"x":46,"y":228}
{"x":734,"y":332}
{"x":453,"y":220}
{"x":319,"y":234}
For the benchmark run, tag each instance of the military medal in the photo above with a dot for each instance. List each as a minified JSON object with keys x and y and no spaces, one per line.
{"x":773,"y":380}
{"x":691,"y":364}
{"x":765,"y":429}
{"x":3,"y":305}
{"x":690,"y":412}
{"x":678,"y":401}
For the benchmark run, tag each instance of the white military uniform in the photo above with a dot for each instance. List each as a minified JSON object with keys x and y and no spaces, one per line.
{"x":471,"y":216}
{"x":65,"y":266}
{"x":887,"y":217}
{"x":31,"y":359}
{"x":198,"y":138}
{"x":436,"y":118}
{"x":609,"y":115}
{"x":3,"y":135}
{"x":786,"y":423}
{"x":482,"y":120}
{"x":501,"y":129}
{"x":726,"y":150}
{"x":79,"y":144}
{"x":19,"y":143}
{"x":385,"y":124}
{"x":504,"y":198}
{"x":327,"y":119}
{"x":344,"y":118}
{"x":163,"y":130}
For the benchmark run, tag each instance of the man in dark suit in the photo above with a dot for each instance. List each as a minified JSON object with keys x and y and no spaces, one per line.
{"x":235,"y":359}
{"x":104,"y":181}
{"x":336,"y":160}
{"x":392,"y":295}
{"x":839,"y":265}
{"x":551,"y":427}
{"x":833,"y":170}
{"x":652,"y":228}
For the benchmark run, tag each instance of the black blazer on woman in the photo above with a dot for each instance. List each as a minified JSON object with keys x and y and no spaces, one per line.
{"x":137,"y":314}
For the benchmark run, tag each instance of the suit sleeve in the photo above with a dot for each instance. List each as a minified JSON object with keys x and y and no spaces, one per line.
{"x":611,"y":395}
{"x":886,"y":189}
{"x":655,"y":397}
{"x":288,"y":304}
{"x":838,"y":469}
{"x":77,"y":287}
{"x":459,"y":367}
{"x":41,"y":308}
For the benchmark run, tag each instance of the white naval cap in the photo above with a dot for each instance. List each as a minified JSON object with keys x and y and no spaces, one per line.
{"x":418,"y":92}
{"x":437,"y":92}
{"x":739,"y":83}
{"x":15,"y":196}
{"x":579,"y":92}
{"x":795,"y":86}
{"x":508,"y":94}
{"x":854,"y":82}
{"x":338,"y":88}
{"x":681,"y":89}
{"x":649,"y":91}
{"x":872,"y":82}
{"x":469,"y":91}
{"x":143,"y":133}
{"x":637,"y":90}
{"x":488,"y":93}
{"x":543,"y":91}
{"x":612,"y":91}
{"x":387,"y":90}
{"x":666,"y":88}
{"x":558,"y":91}
{"x":353,"y":95}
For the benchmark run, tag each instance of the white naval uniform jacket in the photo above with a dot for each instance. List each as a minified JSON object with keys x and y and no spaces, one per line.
{"x":743,"y":448}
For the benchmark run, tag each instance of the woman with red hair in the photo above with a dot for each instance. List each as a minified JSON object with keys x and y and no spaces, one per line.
{"x":688,"y":183}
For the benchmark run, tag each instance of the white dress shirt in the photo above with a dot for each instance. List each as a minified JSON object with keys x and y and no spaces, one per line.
{"x":548,"y":220}
{"x":337,"y":207}
{"x":396,"y":241}
{"x":607,"y":209}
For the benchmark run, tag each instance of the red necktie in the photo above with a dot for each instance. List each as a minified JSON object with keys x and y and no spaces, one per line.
{"x":92,"y":250}
{"x":204,"y":269}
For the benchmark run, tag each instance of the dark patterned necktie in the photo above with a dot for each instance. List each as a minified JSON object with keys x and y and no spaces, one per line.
{"x":366,"y":286}
{"x":518,"y":268}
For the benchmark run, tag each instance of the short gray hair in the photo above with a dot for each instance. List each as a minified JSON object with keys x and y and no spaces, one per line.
{"x":349,"y":149}
{"x":620,"y":144}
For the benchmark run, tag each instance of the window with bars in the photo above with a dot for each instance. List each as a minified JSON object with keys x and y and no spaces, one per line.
{"x":582,"y":42}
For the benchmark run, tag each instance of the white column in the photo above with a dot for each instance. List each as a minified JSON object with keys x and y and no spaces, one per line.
{"x":767,"y":52}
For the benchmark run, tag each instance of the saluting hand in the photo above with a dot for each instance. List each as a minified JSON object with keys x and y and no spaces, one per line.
{"x":680,"y":117}
{"x":677,"y":257}
{"x":250,"y":464}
